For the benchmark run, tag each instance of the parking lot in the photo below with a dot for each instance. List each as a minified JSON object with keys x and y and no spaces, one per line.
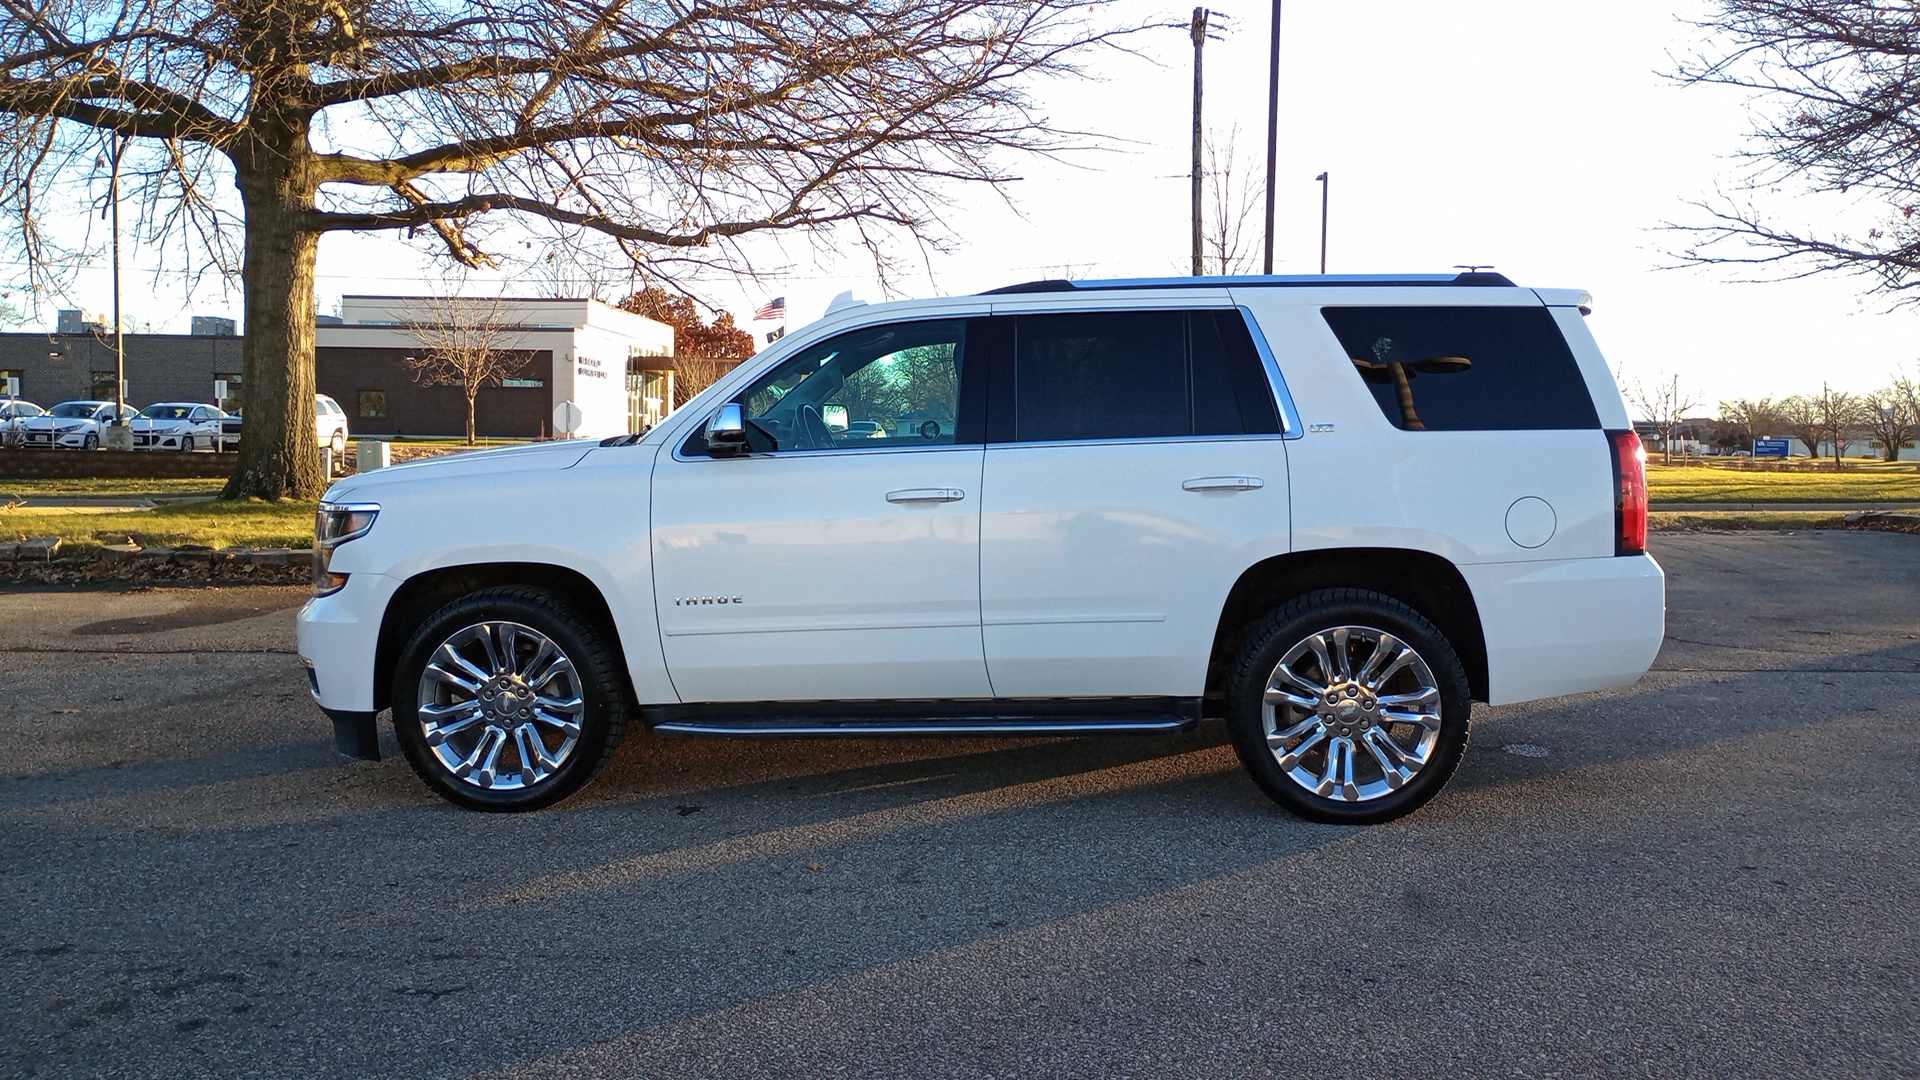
{"x":1711,"y":873}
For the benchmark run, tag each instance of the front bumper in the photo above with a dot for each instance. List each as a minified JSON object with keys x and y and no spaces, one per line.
{"x":339,"y":638}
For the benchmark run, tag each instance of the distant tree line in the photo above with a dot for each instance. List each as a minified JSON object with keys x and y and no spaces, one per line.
{"x":1888,"y":419}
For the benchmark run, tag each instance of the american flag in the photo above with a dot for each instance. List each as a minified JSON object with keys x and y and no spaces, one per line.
{"x":775,"y":308}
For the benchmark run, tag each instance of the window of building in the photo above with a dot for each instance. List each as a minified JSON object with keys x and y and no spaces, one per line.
{"x":1465,"y":368}
{"x":373,"y":403}
{"x":226,"y":388}
{"x":103,"y":385}
{"x":12,"y":383}
{"x":1138,"y":375}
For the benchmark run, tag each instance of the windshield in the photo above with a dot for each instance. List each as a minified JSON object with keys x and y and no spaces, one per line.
{"x":166,"y":412}
{"x":74,"y":410}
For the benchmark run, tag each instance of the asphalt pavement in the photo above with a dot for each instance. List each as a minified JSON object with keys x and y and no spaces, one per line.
{"x":1710,"y":873}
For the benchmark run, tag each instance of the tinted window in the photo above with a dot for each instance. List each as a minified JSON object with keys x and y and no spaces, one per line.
{"x":1135,"y":375}
{"x":1465,"y":368}
{"x":893,"y":385}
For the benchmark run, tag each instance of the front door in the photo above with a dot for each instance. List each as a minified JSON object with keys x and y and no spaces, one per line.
{"x":839,"y":560}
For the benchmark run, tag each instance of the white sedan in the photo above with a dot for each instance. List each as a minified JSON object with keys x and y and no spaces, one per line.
{"x":71,"y":424}
{"x":13,"y":413}
{"x":177,"y":425}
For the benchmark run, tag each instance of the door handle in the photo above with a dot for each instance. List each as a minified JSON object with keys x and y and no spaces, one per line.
{"x":1224,"y":483}
{"x":926,"y":495}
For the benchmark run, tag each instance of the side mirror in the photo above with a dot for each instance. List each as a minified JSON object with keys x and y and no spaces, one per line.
{"x":727,"y":430}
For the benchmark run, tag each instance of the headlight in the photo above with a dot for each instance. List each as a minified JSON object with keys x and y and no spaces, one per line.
{"x":335,"y":524}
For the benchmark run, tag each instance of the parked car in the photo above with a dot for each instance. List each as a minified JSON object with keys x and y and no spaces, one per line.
{"x":74,"y":425}
{"x":330,"y":426}
{"x":12,"y":412}
{"x":1330,"y":512}
{"x":177,"y":425}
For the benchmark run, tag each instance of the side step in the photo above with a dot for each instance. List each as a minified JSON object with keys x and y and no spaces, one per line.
{"x":925,"y":719}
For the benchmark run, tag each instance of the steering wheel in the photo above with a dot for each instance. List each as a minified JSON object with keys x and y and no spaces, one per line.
{"x":813,"y":430}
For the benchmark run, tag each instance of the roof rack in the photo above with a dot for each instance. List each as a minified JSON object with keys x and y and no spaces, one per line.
{"x":1051,"y":285}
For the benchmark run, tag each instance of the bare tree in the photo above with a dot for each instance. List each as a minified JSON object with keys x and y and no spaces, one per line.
{"x":466,"y":343}
{"x":1893,"y":415}
{"x":1663,"y":404}
{"x":1841,"y":416}
{"x":1232,"y":237}
{"x":1747,"y":419}
{"x":672,"y":130}
{"x":1801,"y":418}
{"x":1834,"y":85}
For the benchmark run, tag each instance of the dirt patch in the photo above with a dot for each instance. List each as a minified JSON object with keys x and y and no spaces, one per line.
{"x":216,"y":607}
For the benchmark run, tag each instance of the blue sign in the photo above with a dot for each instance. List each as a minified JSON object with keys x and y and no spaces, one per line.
{"x":1770,"y":447}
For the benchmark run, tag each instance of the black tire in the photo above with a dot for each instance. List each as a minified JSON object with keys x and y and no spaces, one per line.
{"x":186,"y":444}
{"x":601,"y":688}
{"x":91,"y":442}
{"x":1291,"y":626}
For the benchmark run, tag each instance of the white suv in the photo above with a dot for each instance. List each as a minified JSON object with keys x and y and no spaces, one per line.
{"x":1332,"y":511}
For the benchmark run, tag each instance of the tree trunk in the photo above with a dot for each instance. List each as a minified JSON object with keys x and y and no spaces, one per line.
{"x":470,"y":396}
{"x":279,"y":448}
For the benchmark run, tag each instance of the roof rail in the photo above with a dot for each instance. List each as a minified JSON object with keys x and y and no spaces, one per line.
{"x":1051,"y":285}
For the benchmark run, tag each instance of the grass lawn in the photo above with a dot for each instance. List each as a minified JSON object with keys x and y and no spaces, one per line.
{"x":52,"y":488}
{"x":1697,"y":520}
{"x":1862,"y":482}
{"x":252,"y":523}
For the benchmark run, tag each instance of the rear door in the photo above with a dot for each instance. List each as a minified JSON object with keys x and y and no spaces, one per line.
{"x":1135,"y":466}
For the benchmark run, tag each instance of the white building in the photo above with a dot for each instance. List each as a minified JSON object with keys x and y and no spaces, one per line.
{"x":583,"y":352}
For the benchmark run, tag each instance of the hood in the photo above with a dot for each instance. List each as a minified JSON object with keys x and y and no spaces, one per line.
{"x":533,"y":457}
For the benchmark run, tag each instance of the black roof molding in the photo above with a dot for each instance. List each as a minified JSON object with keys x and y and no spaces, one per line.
{"x":1044,"y":285}
{"x":1482,"y":279}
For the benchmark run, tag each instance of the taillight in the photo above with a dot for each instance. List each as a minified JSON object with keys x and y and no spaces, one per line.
{"x":1629,"y":493}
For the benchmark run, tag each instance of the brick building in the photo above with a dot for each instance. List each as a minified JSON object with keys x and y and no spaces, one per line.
{"x":160,"y":367}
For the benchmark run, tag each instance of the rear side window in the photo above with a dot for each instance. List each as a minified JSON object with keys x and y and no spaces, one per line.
{"x":1465,"y":368}
{"x":1138,"y":375}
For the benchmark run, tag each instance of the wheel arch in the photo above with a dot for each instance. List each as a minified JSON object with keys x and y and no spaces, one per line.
{"x":1426,"y":582}
{"x":428,"y":591}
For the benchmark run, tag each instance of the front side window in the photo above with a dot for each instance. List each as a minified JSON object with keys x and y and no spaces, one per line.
{"x":168,"y":412}
{"x":1138,"y":375}
{"x":883,"y":386}
{"x":1466,"y":368}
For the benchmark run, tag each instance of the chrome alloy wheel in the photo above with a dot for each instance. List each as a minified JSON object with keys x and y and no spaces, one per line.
{"x":1351,"y":713}
{"x":500,"y":706}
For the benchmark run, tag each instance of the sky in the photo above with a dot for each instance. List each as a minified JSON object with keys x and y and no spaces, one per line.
{"x":1539,"y":137}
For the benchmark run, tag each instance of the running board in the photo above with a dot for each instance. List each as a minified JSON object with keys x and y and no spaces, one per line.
{"x":925,"y":719}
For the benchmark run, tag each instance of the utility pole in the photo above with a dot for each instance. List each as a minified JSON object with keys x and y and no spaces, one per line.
{"x":1199,"y":31}
{"x":118,"y":435}
{"x":1324,"y":185}
{"x":1273,"y":128}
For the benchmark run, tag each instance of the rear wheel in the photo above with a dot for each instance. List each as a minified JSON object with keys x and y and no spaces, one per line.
{"x":1349,"y":707}
{"x":507,"y":699}
{"x":339,"y":446}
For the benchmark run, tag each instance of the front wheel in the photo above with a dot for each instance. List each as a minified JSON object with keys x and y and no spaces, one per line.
{"x":1349,"y":707}
{"x":186,"y":444}
{"x":507,"y":699}
{"x":92,"y":441}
